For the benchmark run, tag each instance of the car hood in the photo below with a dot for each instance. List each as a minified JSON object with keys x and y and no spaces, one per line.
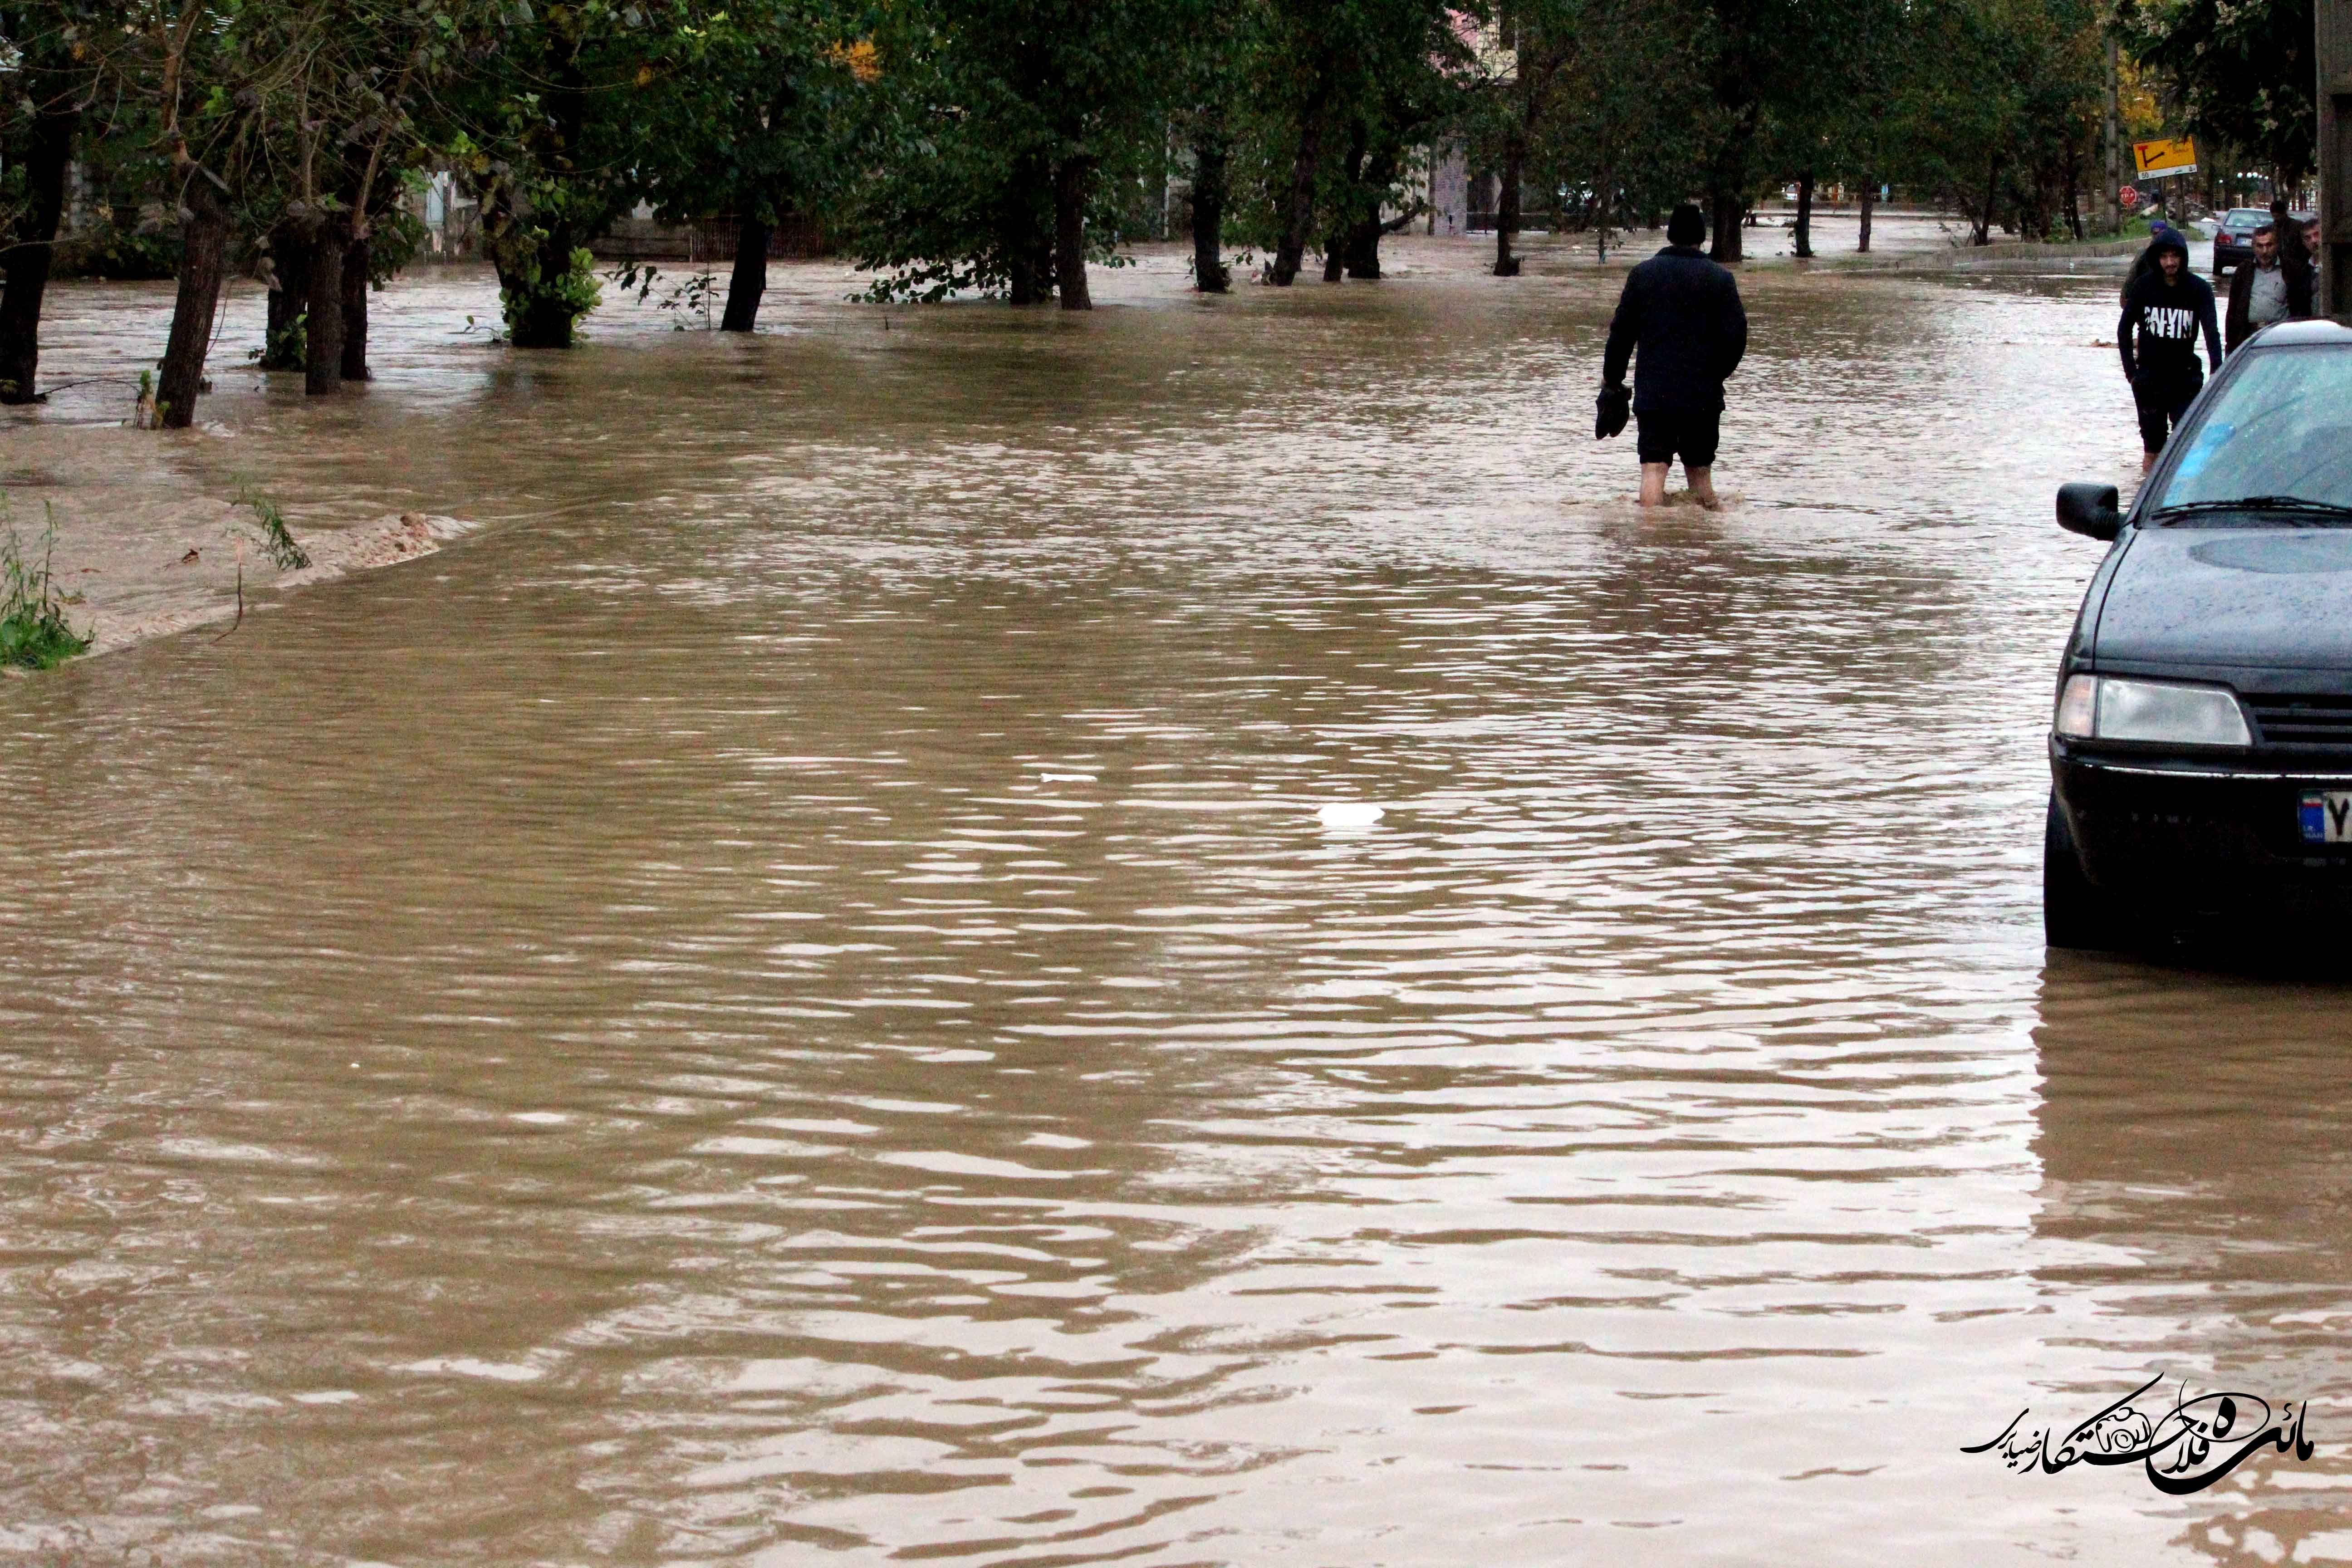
{"x":2241,"y":596}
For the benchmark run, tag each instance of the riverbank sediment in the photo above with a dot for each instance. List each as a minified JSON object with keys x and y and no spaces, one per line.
{"x":141,"y":550}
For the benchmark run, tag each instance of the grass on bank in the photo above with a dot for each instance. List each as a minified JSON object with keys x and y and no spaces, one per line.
{"x":34,"y":633}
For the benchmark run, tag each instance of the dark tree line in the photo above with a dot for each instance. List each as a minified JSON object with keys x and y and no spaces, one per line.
{"x":1006,"y":146}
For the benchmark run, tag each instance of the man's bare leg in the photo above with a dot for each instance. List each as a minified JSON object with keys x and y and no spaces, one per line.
{"x":2147,"y":461}
{"x":1653,"y":483}
{"x":1702,"y":486}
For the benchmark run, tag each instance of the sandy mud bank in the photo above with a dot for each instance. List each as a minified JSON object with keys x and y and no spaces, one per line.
{"x":143,"y":550}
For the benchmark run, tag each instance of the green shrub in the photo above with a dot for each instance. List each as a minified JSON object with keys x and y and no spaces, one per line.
{"x":33,"y":629}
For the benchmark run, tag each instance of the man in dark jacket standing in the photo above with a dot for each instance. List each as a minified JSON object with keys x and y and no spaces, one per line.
{"x":2164,"y":306}
{"x":2276,"y":287}
{"x":1681,"y":312}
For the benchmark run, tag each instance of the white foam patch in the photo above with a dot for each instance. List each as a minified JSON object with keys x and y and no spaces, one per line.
{"x":467,"y":1366}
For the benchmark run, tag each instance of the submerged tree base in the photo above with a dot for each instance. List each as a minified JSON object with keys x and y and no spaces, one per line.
{"x":541,"y":303}
{"x":540,"y":326}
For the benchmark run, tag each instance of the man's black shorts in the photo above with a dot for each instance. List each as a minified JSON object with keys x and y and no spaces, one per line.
{"x":2162,"y":400}
{"x":1664,"y":434}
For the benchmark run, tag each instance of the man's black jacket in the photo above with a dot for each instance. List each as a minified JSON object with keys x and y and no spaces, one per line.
{"x":1682,"y":312}
{"x":2237,"y":322}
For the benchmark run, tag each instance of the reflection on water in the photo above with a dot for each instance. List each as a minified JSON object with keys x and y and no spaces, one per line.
{"x":798,"y":990}
{"x":2195,"y":1170}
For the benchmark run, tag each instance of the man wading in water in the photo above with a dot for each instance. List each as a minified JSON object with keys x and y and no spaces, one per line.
{"x":1682,"y":312}
{"x":2164,"y":306}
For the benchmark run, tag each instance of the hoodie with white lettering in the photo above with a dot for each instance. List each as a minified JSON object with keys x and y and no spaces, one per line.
{"x":2165,"y":318}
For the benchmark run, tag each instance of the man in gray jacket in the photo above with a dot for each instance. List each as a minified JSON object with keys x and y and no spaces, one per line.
{"x":1681,"y":313}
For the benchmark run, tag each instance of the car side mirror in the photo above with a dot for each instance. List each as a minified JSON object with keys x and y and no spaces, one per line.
{"x":2089,"y":509}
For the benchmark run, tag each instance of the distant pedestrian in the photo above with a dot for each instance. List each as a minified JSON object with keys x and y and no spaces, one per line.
{"x":2164,"y":306}
{"x":2276,"y":287}
{"x":2295,"y":243}
{"x":1681,"y":313}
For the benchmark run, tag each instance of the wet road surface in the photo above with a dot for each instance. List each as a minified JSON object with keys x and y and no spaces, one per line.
{"x":797,"y":998}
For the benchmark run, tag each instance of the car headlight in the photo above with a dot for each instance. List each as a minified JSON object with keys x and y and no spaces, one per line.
{"x":2108,"y":708}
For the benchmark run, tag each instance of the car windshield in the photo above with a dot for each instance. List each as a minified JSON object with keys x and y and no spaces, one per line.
{"x":2281,"y":430}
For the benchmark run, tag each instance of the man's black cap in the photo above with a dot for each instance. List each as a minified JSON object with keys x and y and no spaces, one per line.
{"x":1687,"y":226}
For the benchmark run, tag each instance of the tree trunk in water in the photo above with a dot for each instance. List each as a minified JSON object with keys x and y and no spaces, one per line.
{"x":1071,"y":177}
{"x":1730,"y":209}
{"x":1992,"y":194}
{"x":203,"y":257}
{"x":1028,"y":254}
{"x":1805,"y":215}
{"x":1869,"y":200}
{"x":1300,"y":215}
{"x":1210,"y":274}
{"x":1364,"y":254}
{"x":29,"y":256}
{"x":1343,"y":221}
{"x":290,"y":255}
{"x":538,"y":315}
{"x":750,"y":280}
{"x":543,"y":321}
{"x":1603,"y":211}
{"x":1021,"y":284}
{"x":322,"y":368}
{"x":542,"y":325}
{"x":356,"y":258}
{"x":1507,"y":203}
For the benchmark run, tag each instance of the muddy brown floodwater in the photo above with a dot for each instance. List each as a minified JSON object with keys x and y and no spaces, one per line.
{"x":793,"y":998}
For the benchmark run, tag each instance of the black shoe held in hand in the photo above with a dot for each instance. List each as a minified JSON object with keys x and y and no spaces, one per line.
{"x":1616,"y":408}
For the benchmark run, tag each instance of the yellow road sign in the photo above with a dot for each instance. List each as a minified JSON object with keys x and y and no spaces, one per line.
{"x":2157,"y":159}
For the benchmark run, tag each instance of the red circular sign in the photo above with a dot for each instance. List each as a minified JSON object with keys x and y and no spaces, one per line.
{"x":2130,"y":197}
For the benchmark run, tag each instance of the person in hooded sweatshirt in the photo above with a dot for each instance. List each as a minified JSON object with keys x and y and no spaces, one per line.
{"x":2166,"y":306}
{"x":1682,"y":312}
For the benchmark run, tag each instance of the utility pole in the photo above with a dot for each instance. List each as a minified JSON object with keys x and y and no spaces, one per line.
{"x":2335,"y":51}
{"x":2110,"y":201}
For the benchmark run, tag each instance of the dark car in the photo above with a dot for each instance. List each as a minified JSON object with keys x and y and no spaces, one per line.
{"x":2233,"y":242}
{"x":2200,"y":752}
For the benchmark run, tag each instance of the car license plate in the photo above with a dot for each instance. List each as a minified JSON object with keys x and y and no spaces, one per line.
{"x":2326,"y":817}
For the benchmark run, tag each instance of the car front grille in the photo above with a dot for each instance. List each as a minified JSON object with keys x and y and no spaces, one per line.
{"x":2304,"y":723}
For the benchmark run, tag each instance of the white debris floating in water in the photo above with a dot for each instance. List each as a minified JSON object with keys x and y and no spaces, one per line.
{"x":1349,"y":814}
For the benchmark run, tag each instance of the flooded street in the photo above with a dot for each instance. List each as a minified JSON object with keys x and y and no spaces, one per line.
{"x":801,"y":996}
